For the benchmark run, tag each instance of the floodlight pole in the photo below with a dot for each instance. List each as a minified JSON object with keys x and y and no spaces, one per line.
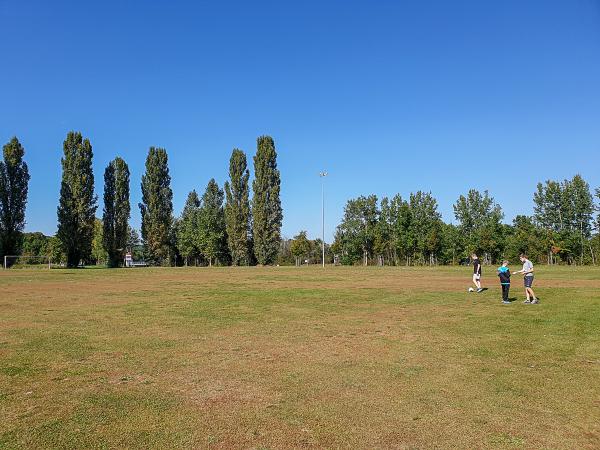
{"x":323,"y":175}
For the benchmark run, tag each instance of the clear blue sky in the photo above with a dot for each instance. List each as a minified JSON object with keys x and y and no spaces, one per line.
{"x":388,"y":96}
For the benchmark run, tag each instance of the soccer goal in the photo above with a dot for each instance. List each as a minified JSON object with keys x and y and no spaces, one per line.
{"x":27,"y":262}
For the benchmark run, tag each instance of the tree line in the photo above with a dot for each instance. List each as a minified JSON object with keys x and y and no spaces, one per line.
{"x":221,"y":227}
{"x":229,"y":226}
{"x":410,"y":231}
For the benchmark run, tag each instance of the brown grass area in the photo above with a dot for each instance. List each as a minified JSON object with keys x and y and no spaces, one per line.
{"x":296,"y":358}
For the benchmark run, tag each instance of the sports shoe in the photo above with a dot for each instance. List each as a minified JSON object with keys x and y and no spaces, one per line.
{"x":535,"y":301}
{"x":505,"y":302}
{"x":527,"y":302}
{"x":480,"y":290}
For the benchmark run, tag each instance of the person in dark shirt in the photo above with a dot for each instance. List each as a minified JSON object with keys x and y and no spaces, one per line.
{"x":504,"y":275}
{"x":477,"y":272}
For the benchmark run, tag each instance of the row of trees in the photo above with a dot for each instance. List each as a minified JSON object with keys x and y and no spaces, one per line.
{"x":226,"y":226}
{"x":78,"y":228}
{"x":564,"y":211}
{"x":240,"y":232}
{"x":410,"y":231}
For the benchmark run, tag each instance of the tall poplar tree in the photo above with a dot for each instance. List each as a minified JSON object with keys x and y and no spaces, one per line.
{"x":14,"y":182}
{"x":187,"y":228}
{"x":157,"y":207}
{"x":237,"y":209}
{"x":77,"y":205}
{"x":267,"y":214}
{"x":117,"y":210}
{"x":213,"y":237}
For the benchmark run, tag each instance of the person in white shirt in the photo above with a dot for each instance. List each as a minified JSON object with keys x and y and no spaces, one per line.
{"x":527,"y":272}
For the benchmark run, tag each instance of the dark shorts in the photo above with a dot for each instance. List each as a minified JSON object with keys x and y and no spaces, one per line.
{"x":528,"y":281}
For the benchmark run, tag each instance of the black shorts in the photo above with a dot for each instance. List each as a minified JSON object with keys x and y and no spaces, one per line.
{"x":528,"y":281}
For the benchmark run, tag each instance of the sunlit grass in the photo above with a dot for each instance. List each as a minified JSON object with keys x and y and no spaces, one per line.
{"x":287,"y":357}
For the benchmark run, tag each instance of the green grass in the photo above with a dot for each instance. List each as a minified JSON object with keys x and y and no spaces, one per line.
{"x":297,"y":357}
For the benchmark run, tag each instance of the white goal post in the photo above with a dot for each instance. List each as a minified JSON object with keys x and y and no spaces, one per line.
{"x":26,"y":261}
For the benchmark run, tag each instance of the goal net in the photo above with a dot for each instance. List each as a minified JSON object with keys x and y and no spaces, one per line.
{"x":27,"y":262}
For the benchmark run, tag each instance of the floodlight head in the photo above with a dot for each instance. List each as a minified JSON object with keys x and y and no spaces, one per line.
{"x":323,"y":174}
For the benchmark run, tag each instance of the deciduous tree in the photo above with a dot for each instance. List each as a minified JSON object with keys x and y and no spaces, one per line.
{"x":565,"y":210}
{"x":355,"y":236}
{"x":188,"y":230}
{"x":117,"y":211}
{"x":99,"y":254}
{"x":479,"y":220}
{"x":213,"y":235}
{"x":157,"y":208}
{"x":77,"y":205}
{"x":425,"y":227}
{"x":14,"y":182}
{"x":300,"y":247}
{"x":267,"y":214}
{"x":237,"y":209}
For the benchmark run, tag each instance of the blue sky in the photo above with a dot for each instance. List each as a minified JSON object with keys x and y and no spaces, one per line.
{"x":388,"y":96}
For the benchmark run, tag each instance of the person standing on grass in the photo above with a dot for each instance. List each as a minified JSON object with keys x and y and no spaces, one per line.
{"x":527,"y":272}
{"x":477,"y":272}
{"x":504,"y":274}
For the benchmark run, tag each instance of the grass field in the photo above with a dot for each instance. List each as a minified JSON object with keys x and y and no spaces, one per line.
{"x":297,"y":358}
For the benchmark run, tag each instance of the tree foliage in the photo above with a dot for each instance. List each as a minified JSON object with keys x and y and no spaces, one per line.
{"x":564,"y":210}
{"x":394,"y":231}
{"x":237,"y":209}
{"x":479,"y":221}
{"x":157,"y":208}
{"x":213,"y":235}
{"x":300,"y":246}
{"x":188,"y":228}
{"x":524,"y":237}
{"x":267,"y":214}
{"x":77,"y":205}
{"x":14,"y":182}
{"x":403,"y":240}
{"x":34,"y":244}
{"x":356,"y":234}
{"x":99,"y":254}
{"x":117,"y":210}
{"x":398,"y":231}
{"x":56,"y":251}
{"x":425,"y":227}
